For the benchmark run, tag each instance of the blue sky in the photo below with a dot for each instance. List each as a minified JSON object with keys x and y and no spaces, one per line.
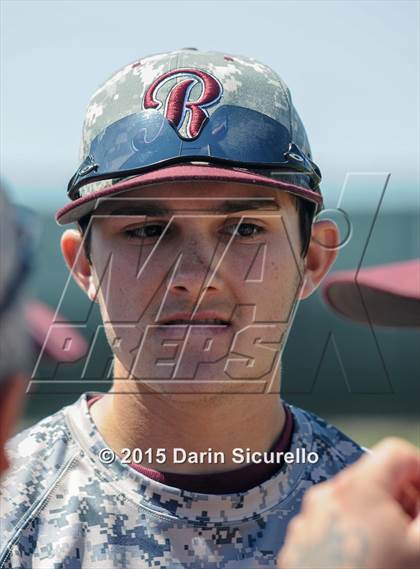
{"x":352,"y":67}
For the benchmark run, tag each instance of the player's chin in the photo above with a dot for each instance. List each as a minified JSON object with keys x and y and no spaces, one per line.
{"x":206,"y":385}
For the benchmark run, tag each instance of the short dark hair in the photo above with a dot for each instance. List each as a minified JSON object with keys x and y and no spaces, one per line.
{"x":305,"y":209}
{"x":85,"y":230}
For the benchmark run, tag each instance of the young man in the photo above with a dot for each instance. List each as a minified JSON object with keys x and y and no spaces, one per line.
{"x":194,"y":202}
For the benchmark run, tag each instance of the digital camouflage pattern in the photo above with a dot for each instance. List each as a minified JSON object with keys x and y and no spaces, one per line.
{"x":62,"y":508}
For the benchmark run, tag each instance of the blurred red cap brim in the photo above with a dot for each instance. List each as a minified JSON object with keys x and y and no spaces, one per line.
{"x":386,"y":295}
{"x":60,"y":341}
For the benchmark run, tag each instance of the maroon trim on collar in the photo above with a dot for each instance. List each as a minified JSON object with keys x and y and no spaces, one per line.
{"x":230,"y":482}
{"x":186,"y":172}
{"x":93,"y":400}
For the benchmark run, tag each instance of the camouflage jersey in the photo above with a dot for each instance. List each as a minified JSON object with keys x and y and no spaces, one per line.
{"x":61,"y":507}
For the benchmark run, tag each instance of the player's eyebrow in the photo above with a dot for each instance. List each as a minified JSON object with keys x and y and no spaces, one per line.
{"x":228,"y":206}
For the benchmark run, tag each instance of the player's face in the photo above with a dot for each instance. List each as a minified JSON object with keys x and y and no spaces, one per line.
{"x":149,"y":268}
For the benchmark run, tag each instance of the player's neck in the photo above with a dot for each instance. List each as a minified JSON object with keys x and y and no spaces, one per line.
{"x":194,"y":422}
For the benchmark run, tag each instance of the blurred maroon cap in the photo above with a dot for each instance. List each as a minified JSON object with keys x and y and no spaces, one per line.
{"x":61,"y":341}
{"x":386,"y":295}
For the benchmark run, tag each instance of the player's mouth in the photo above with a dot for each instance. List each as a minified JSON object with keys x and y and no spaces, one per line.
{"x":207,"y":322}
{"x":198,"y":322}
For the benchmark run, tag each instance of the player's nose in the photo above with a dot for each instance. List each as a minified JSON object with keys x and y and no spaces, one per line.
{"x":196,"y":269}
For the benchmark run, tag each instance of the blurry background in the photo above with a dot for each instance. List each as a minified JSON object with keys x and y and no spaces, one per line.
{"x":353,"y":70}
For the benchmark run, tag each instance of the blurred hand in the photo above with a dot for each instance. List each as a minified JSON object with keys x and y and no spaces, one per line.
{"x":366,"y":516}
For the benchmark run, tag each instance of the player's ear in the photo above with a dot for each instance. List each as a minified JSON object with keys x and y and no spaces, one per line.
{"x":321,"y":254}
{"x":77,"y":261}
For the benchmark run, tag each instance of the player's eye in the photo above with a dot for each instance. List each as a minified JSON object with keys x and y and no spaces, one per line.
{"x":146,"y":231}
{"x":151,"y":231}
{"x":246,"y":229}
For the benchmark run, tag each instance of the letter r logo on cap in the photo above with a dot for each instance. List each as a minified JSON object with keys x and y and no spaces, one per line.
{"x":177,"y":104}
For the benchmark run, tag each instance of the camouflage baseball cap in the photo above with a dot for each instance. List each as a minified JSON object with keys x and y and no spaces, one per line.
{"x":191,"y":115}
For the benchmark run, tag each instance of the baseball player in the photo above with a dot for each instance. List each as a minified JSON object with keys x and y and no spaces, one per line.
{"x":194,"y":203}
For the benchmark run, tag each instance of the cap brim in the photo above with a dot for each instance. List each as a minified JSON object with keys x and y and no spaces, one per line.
{"x":59,"y":340}
{"x":179,"y":173}
{"x":385,"y":295}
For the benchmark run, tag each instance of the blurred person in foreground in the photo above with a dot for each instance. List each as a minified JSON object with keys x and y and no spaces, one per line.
{"x":14,"y":340}
{"x":368,"y":515}
{"x":24,"y":323}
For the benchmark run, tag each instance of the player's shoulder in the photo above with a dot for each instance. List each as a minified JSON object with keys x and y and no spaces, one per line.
{"x":39,"y":443}
{"x":335,"y":449}
{"x":38,"y":455}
